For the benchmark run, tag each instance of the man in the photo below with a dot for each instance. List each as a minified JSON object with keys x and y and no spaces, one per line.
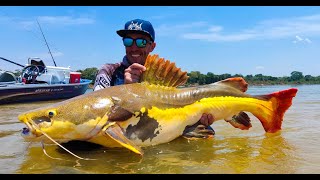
{"x":139,"y":40}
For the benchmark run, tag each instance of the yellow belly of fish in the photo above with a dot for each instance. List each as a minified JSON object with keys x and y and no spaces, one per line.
{"x":224,"y":107}
{"x":172,"y":121}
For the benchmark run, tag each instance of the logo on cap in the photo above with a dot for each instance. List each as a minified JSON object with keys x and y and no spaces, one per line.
{"x":138,"y":25}
{"x":135,"y":26}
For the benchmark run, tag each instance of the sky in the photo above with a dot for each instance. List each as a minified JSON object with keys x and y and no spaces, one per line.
{"x":246,"y":40}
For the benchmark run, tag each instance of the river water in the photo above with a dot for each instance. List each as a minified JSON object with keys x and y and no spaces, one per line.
{"x":295,"y":149}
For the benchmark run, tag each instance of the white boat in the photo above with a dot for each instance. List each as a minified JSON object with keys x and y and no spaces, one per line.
{"x":38,"y":82}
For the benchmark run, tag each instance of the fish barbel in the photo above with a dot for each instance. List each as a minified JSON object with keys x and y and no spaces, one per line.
{"x":152,"y":112}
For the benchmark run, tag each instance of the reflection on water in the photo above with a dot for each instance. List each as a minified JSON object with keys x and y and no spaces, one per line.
{"x":293,"y":150}
{"x":266,"y":154}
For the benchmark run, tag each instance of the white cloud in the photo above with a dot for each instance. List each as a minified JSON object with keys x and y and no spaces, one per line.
{"x":162,"y":16}
{"x":311,"y":17}
{"x":268,"y":29}
{"x":169,"y":30}
{"x":308,"y":40}
{"x":66,"y":20}
{"x":300,"y":39}
{"x":48,"y":56}
{"x":215,"y":28}
{"x":3,"y":19}
{"x":217,"y":37}
{"x":259,"y":67}
{"x":54,"y":20}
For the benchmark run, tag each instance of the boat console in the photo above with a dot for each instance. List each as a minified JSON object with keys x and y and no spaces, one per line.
{"x":37,"y":72}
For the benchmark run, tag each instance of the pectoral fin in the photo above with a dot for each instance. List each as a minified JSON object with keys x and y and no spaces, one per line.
{"x":114,"y":131}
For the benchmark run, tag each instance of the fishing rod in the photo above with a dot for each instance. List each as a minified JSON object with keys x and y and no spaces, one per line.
{"x":46,"y":44}
{"x":12,"y":62}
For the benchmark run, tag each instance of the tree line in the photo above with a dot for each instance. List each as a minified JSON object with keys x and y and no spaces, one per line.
{"x":197,"y":78}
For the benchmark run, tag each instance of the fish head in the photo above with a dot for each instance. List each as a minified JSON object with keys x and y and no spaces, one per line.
{"x":70,"y":120}
{"x":36,"y":121}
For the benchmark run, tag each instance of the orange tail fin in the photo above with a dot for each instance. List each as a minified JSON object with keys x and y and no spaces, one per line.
{"x":281,"y":101}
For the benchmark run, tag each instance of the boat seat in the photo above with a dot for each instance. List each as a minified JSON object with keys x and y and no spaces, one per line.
{"x":45,"y":78}
{"x":8,"y":77}
{"x":48,"y":78}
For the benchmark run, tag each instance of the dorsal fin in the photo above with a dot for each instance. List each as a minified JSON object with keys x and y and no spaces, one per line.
{"x":236,"y":82}
{"x":163,"y":72}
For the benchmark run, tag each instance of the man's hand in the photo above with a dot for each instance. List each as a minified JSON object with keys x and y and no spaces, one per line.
{"x":133,"y":73}
{"x":206,"y":119}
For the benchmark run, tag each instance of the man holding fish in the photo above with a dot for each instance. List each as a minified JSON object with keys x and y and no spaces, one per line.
{"x":139,"y":40}
{"x":134,"y":115}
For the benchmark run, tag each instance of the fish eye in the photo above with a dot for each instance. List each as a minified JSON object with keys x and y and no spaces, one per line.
{"x":51,"y":114}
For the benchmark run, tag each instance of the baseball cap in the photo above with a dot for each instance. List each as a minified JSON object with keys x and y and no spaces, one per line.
{"x":138,"y":26}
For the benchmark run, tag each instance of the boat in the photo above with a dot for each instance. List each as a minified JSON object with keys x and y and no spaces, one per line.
{"x":38,"y":82}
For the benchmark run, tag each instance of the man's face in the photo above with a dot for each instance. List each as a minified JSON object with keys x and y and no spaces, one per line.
{"x":136,"y":54}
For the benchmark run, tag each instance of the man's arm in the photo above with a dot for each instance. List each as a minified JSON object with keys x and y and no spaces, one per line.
{"x":104,"y":76}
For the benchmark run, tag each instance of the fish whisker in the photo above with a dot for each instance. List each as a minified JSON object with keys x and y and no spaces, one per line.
{"x":64,"y":147}
{"x":35,"y":126}
{"x":45,"y":152}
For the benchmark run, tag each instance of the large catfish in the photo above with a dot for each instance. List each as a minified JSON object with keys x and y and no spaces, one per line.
{"x":152,"y":112}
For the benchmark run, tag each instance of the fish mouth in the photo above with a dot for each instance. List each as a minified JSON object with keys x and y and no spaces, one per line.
{"x":31,"y":128}
{"x":30,"y":132}
{"x":25,"y":131}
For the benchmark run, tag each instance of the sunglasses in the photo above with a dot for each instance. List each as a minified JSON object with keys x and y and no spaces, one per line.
{"x":140,"y":42}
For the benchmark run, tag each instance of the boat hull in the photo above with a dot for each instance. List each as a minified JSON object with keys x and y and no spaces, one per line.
{"x":20,"y":93}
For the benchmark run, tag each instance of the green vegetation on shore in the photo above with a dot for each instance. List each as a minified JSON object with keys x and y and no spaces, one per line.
{"x":195,"y":77}
{"x":296,"y":77}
